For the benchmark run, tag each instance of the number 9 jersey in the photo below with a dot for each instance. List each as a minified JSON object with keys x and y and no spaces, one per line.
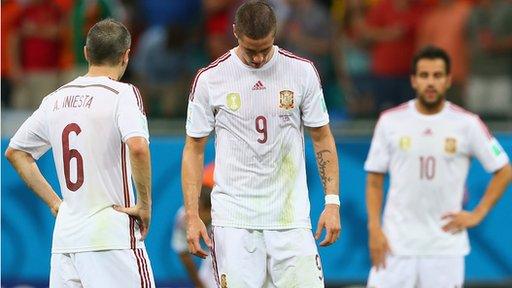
{"x":86,"y":123}
{"x":258,"y":115}
{"x":428,"y":158}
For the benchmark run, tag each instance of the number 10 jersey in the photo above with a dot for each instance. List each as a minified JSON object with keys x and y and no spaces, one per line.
{"x":86,"y":123}
{"x":258,"y":115}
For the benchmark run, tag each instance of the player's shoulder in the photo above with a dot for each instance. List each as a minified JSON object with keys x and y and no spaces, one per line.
{"x":292,"y":59}
{"x":460,"y":113}
{"x":394,"y":113}
{"x":213,"y":67}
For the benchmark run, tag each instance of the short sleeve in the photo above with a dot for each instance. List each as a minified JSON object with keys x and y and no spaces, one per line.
{"x":131,"y":118}
{"x":179,"y":236}
{"x":200,"y":118}
{"x":486,"y":148}
{"x":313,"y":108}
{"x":379,"y":154}
{"x":32,"y":137}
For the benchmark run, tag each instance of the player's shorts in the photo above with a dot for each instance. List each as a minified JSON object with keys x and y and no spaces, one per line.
{"x":110,"y":268}
{"x":419,"y":272}
{"x":206,"y":274}
{"x":246,"y":258}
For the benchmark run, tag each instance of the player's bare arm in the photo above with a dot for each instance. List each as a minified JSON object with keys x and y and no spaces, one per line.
{"x":191,"y":179}
{"x":378,"y":243}
{"x":499,"y":182}
{"x":327,"y":161}
{"x":140,"y":161}
{"x":27,"y":168}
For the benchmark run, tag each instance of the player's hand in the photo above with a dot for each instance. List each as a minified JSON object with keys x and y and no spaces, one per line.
{"x":330,"y":220}
{"x":379,"y":247}
{"x":142,"y":215}
{"x":195,"y":231}
{"x":459,"y":221}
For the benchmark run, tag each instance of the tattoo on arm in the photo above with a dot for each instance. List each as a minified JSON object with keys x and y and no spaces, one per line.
{"x":322,"y":167}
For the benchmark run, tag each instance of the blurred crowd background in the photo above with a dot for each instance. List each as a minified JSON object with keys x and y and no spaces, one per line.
{"x":362,"y":48}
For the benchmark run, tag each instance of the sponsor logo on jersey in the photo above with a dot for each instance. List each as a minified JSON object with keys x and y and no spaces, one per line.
{"x":223,"y":281}
{"x":450,"y":145}
{"x":258,"y":86}
{"x":233,"y":101}
{"x":405,"y":143}
{"x":286,"y":99}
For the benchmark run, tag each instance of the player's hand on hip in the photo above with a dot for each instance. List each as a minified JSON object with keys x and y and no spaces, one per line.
{"x":142,"y":215}
{"x":330,"y":220}
{"x":459,"y":221}
{"x":379,"y":247}
{"x":195,"y":231}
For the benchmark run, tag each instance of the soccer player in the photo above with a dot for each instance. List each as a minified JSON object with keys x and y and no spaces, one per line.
{"x":204,"y":277}
{"x":258,"y":98}
{"x":426,"y":146}
{"x":97,"y":130}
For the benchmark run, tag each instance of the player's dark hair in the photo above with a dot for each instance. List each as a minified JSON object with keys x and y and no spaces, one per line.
{"x":106,"y":42}
{"x":431,"y":52}
{"x":204,"y":198}
{"x":255,"y":19}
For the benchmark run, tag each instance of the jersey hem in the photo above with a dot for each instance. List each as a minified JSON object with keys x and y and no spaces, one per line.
{"x":17,"y":146}
{"x":259,"y":227}
{"x":197,"y":135}
{"x":93,"y":248}
{"x":317,"y":124}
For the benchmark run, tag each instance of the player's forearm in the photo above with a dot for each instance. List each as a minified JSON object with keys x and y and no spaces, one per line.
{"x":374,"y":195}
{"x":140,"y":161}
{"x":191,"y":268}
{"x":494,"y":191}
{"x":27,"y":168}
{"x":192,"y":173}
{"x":326,"y":158}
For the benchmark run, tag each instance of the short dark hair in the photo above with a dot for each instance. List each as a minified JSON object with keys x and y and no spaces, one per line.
{"x":106,"y":41}
{"x":255,"y":19}
{"x":431,"y":52}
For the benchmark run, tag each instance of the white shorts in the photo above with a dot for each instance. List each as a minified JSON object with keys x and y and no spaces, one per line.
{"x":206,"y":274}
{"x":244,"y":258}
{"x":419,"y":272}
{"x":109,"y":268}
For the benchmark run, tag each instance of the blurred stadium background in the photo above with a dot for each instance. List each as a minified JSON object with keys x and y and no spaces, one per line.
{"x":362,"y":49}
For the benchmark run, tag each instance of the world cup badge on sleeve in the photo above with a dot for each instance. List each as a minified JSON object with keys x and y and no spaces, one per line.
{"x":233,"y":101}
{"x":450,"y":145}
{"x":286,"y":99}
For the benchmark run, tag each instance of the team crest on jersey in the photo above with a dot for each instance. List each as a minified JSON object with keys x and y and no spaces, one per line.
{"x":233,"y":101}
{"x":223,"y":281}
{"x":450,"y":145}
{"x":405,"y":143}
{"x":286,"y":99}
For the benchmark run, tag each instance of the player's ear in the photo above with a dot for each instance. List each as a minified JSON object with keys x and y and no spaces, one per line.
{"x":126,"y":56}
{"x":85,"y":54}
{"x":413,"y":81}
{"x":234,"y":31}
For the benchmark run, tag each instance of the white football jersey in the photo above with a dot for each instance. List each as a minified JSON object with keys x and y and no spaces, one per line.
{"x":258,"y":116}
{"x":428,"y":158}
{"x":86,"y":123}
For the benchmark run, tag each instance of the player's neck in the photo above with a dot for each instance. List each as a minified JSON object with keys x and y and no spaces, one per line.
{"x":106,"y":71}
{"x":429,"y":110}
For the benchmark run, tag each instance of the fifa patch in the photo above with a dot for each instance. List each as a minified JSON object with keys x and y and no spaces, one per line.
{"x":223,"y":281}
{"x":233,"y":101}
{"x":405,"y":143}
{"x":450,"y":145}
{"x":286,"y":100}
{"x":496,"y":148}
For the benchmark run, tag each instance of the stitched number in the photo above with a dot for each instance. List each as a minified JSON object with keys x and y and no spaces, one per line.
{"x":261,"y":127}
{"x":68,"y":155}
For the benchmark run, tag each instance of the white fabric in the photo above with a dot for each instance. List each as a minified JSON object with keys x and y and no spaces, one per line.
{"x":266,"y":258}
{"x":180,"y":245}
{"x":258,"y":116}
{"x":94,"y":116}
{"x":110,"y":268}
{"x":428,"y":158}
{"x":419,"y":272}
